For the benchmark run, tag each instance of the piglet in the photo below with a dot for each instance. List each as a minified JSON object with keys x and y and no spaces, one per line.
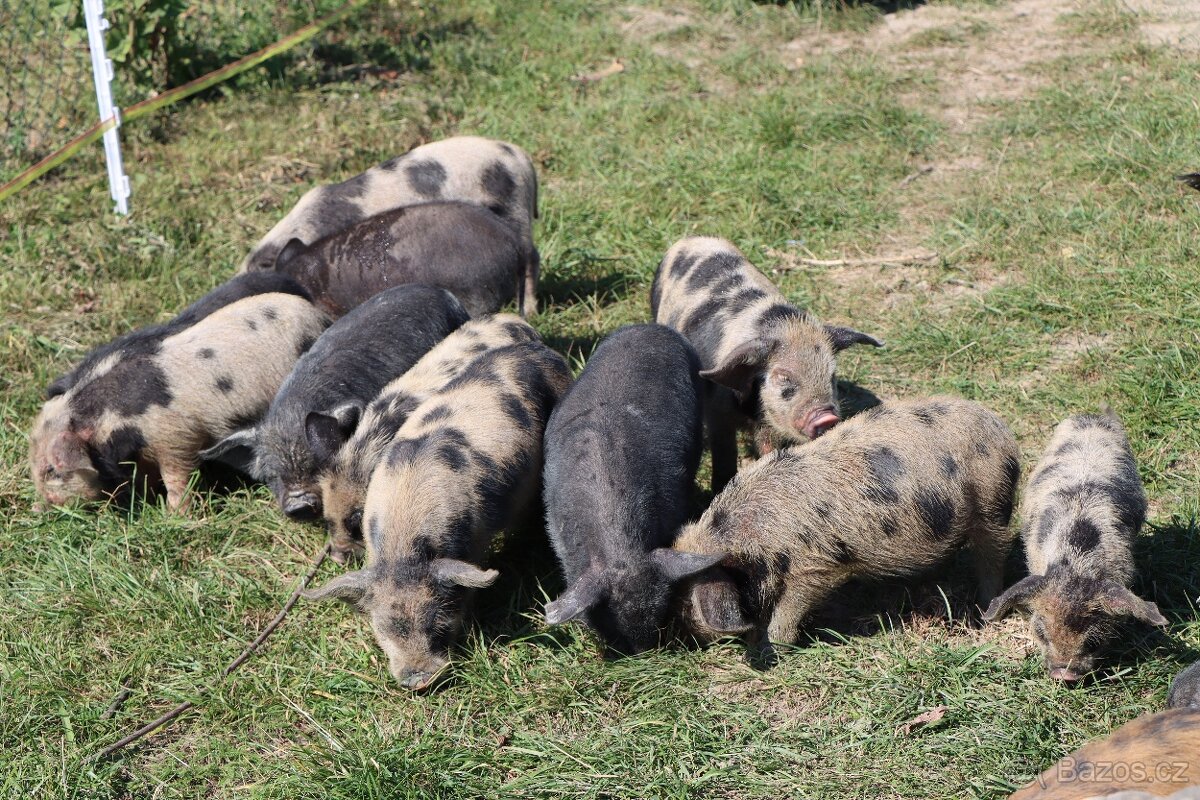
{"x":345,"y":369}
{"x":158,"y":408}
{"x":622,"y":449}
{"x":1082,"y":508}
{"x":146,"y":340}
{"x":773,"y":364}
{"x":352,"y":455}
{"x":464,"y":464}
{"x":495,"y":175}
{"x":889,"y":493}
{"x":461,"y":247}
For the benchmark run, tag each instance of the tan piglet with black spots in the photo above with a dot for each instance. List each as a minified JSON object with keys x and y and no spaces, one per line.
{"x":158,"y":409}
{"x":465,"y":462}
{"x":1082,"y":508}
{"x":891,"y":492}
{"x":354,"y":458}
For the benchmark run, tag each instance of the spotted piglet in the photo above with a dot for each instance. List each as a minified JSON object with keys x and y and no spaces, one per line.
{"x":1082,"y":508}
{"x":158,"y":408}
{"x":466,"y":461}
{"x":889,"y":493}
{"x":353,"y":456}
{"x":622,"y":449}
{"x":460,"y":247}
{"x":346,"y":368}
{"x":147,"y":340}
{"x":775,"y":361}
{"x":496,"y":175}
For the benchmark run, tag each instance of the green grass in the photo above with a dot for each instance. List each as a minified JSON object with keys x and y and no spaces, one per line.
{"x":1067,"y":277}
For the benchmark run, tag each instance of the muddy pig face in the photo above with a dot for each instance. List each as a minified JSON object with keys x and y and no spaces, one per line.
{"x":1074,"y":618}
{"x":415,"y":609}
{"x":58,"y":457}
{"x":797,"y":367}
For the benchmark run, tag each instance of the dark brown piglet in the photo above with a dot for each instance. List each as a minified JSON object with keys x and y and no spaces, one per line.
{"x":460,"y":247}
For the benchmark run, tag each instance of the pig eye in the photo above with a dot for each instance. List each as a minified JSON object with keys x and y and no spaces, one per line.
{"x":1039,"y":630}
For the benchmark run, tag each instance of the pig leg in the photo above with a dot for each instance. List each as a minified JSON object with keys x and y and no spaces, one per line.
{"x":175,"y":476}
{"x":990,"y":545}
{"x":790,"y":612}
{"x":527,"y":288}
{"x":722,"y":437}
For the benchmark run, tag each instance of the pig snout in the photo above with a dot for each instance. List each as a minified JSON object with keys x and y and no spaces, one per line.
{"x":1065,"y":674}
{"x":302,"y":505}
{"x":819,"y":421}
{"x":417,"y":680}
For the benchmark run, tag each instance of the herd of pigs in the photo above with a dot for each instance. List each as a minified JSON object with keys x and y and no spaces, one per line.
{"x":360,"y":367}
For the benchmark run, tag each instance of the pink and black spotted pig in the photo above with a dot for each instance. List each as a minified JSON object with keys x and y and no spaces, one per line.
{"x":154,"y":408}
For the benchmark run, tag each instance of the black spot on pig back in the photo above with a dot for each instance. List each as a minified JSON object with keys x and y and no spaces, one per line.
{"x":335,"y":209}
{"x":948,"y":465}
{"x":516,"y":412}
{"x":434,"y":414}
{"x":778,"y":313}
{"x":742,"y":300}
{"x":936,"y":512}
{"x":711,"y":270}
{"x":500,"y":185}
{"x":682,"y":263}
{"x":129,"y":389}
{"x":1084,"y":535}
{"x":884,"y":469}
{"x":225,"y":384}
{"x":426,"y":176}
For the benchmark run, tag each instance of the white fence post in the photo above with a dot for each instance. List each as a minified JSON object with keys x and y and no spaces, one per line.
{"x":102,"y":72}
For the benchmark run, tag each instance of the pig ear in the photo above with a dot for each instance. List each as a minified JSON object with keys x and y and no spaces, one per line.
{"x":237,"y":450}
{"x":738,"y":370}
{"x":351,"y":587}
{"x":327,"y":432}
{"x":716,"y":603}
{"x":841,"y":338}
{"x":293,"y":248}
{"x":60,"y":386}
{"x":675,"y":564}
{"x":1119,"y":601}
{"x":452,"y":572}
{"x":1017,"y":595}
{"x":586,"y":593}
